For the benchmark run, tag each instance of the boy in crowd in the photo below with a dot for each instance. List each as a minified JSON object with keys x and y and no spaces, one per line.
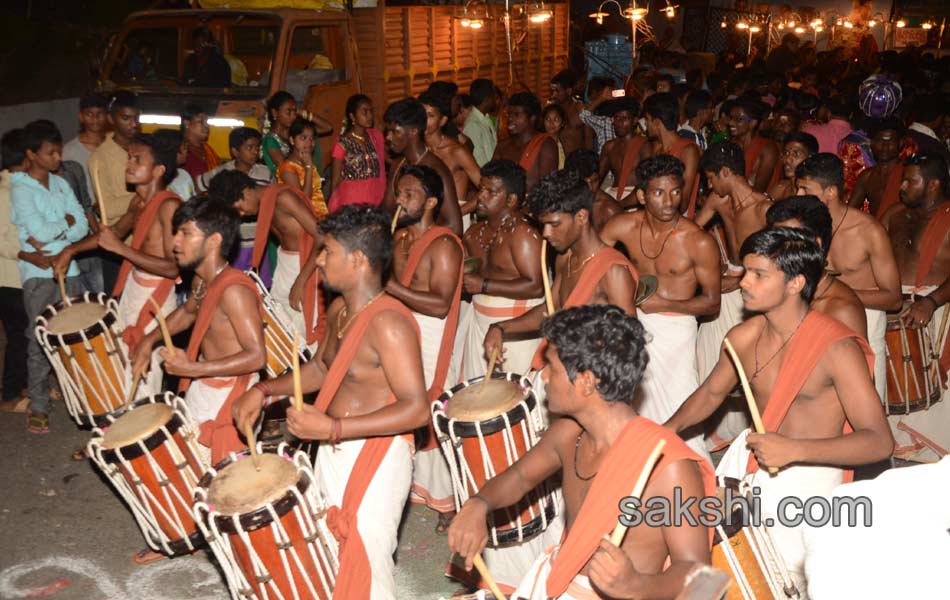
{"x":245,"y":145}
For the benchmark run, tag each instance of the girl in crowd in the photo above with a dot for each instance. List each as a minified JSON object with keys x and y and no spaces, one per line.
{"x":554,"y":119}
{"x":300,"y":169}
{"x":275,"y":147}
{"x":358,"y":172}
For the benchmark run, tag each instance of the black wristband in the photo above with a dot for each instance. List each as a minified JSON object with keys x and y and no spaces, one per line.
{"x":484,"y":286}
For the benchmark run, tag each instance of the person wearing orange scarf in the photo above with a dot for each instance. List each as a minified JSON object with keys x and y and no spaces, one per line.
{"x":534,"y":151}
{"x":596,"y":356}
{"x":811,"y":377}
{"x":372,"y":396}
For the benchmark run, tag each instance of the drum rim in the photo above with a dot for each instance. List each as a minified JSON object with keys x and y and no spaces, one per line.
{"x":259,"y":517}
{"x":467,"y":429}
{"x":906,"y":408}
{"x":133,"y":450}
{"x":733,"y":529}
{"x":76,"y":337}
{"x":532,"y":527}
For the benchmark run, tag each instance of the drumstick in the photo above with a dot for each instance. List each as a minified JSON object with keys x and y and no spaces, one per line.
{"x":549,"y":300}
{"x":298,"y":389}
{"x":489,"y":580}
{"x":62,"y":289}
{"x":392,"y":228}
{"x":491,"y":367}
{"x":135,"y":383}
{"x":163,"y":324}
{"x":747,"y":389}
{"x":251,"y":444}
{"x":102,"y":204}
{"x":616,"y":538}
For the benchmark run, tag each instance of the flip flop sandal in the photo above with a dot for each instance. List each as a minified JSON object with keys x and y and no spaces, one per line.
{"x":146,"y":556}
{"x":37,"y":423}
{"x":19,"y":405}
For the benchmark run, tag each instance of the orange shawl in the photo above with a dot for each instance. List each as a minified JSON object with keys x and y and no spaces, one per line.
{"x":631,"y":155}
{"x":134,"y":332}
{"x":219,"y":434}
{"x":892,"y":191}
{"x":934,"y":234}
{"x":530,"y":154}
{"x":311,"y":291}
{"x":595,"y":270}
{"x":354,"y":576}
{"x":615,"y":478}
{"x":816,"y":333}
{"x":451,"y":319}
{"x":677,"y":151}
{"x":752,"y":157}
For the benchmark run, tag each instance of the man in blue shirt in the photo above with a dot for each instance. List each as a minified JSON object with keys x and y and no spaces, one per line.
{"x":48,"y":218}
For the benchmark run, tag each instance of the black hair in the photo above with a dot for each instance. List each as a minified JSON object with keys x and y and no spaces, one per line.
{"x":793,"y":251}
{"x":596,"y":85}
{"x":927,"y":108}
{"x":481,"y":90}
{"x":886,"y":124}
{"x":39,"y":131}
{"x":560,"y":192}
{"x":407,"y":113}
{"x":439,"y":101}
{"x":528,"y":101}
{"x":365,"y":228}
{"x":660,"y":165}
{"x":807,"y":140}
{"x":93,"y":100}
{"x":299,"y":126}
{"x":352,"y":105}
{"x":431,"y":183}
{"x":276,"y":101}
{"x":164,"y":153}
{"x":809,"y":211}
{"x":837,"y":107}
{"x":465,"y":100}
{"x":189,"y":112}
{"x":602,"y":339}
{"x":12,"y":149}
{"x":723,"y":154}
{"x":555,"y":108}
{"x":210,"y":216}
{"x":932,"y":166}
{"x":239,"y":135}
{"x":229,"y":185}
{"x":446,"y":88}
{"x":825,"y":168}
{"x":665,"y":107}
{"x":202,"y":33}
{"x":122,"y":99}
{"x":666,"y":77}
{"x":696,"y":101}
{"x":565,"y":78}
{"x":755,"y":109}
{"x":172,"y":136}
{"x":584,"y":161}
{"x":511,"y":174}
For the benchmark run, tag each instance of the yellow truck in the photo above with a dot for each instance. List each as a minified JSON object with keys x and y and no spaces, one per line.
{"x":324,"y":56}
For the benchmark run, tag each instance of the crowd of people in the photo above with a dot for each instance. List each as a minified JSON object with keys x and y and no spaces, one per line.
{"x":796,"y":207}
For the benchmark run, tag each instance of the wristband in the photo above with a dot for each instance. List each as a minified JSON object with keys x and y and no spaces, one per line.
{"x":336,"y":431}
{"x":484,"y":286}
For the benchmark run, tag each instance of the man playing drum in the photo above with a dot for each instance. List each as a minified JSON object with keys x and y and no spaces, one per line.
{"x":427,"y":277}
{"x":811,"y":377}
{"x":595,"y":357}
{"x":858,"y":250}
{"x":372,"y":397}
{"x":919,"y":231}
{"x":148,"y":268}
{"x":508,"y":283}
{"x":283,"y":212}
{"x":685,"y":261}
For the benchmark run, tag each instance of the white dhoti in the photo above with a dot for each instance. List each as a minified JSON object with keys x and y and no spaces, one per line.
{"x":487,"y":310}
{"x":454,"y":375}
{"x":903,"y":554}
{"x":288,"y":268}
{"x":381,"y":510}
{"x":534,"y":584}
{"x":924,"y":436}
{"x":799,"y":481}
{"x":877,"y":329}
{"x":733,"y":417}
{"x":204,"y":399}
{"x":612,"y":192}
{"x":139,"y":287}
{"x":431,"y":481}
{"x":670,"y":376}
{"x":508,"y":564}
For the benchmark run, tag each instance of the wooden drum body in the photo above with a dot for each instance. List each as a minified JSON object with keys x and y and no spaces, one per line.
{"x":278,"y":334}
{"x":267,"y":527}
{"x":482,"y":432}
{"x":150,"y":455}
{"x":80,"y":339}
{"x":913,"y":375}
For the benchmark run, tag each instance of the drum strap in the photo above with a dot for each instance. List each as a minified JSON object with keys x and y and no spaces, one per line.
{"x":631,"y":157}
{"x":355,"y":574}
{"x":133,"y":333}
{"x":616,"y":475}
{"x":593,"y":272}
{"x":142,"y":226}
{"x":816,"y":333}
{"x":531,"y":151}
{"x":934,"y":235}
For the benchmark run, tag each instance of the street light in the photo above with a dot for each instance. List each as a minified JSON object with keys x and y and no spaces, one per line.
{"x":633,"y":13}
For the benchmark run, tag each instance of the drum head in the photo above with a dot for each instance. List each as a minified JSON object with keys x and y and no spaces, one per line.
{"x":480,"y":403}
{"x":78,"y":317}
{"x":137,"y":424}
{"x":240,"y":488}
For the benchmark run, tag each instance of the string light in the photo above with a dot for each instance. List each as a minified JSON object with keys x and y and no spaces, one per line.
{"x":872,"y":23}
{"x":742,"y":25}
{"x":927,"y":25}
{"x":848,"y":25}
{"x":755,"y":29}
{"x":901,"y":24}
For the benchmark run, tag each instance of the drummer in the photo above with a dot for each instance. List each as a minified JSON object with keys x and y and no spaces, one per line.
{"x":281,"y":211}
{"x":811,"y":377}
{"x":148,"y":268}
{"x":685,"y":261}
{"x":368,"y":370}
{"x":919,"y":231}
{"x":595,"y":357}
{"x":427,"y":278}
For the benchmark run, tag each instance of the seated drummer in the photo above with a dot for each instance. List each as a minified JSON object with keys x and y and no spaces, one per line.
{"x":596,"y":356}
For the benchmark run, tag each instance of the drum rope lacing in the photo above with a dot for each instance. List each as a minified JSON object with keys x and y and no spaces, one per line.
{"x":277,"y":331}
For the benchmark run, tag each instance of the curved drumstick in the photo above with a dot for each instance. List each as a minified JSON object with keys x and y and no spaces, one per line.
{"x":392,"y":228}
{"x":616,"y":538}
{"x":298,"y":389}
{"x":103,"y":218}
{"x":166,"y":335}
{"x":548,"y":298}
{"x":486,"y":575}
{"x":747,"y":390}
